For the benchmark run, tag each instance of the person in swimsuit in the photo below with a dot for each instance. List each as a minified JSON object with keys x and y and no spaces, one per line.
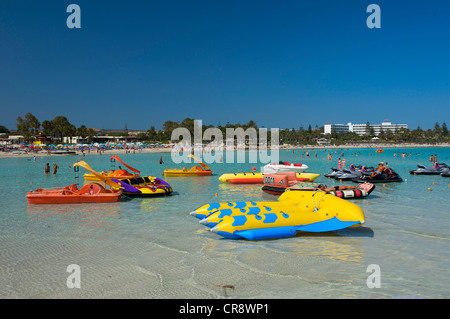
{"x":379,"y":170}
{"x":323,"y":187}
{"x":55,"y":168}
{"x":436,"y":166}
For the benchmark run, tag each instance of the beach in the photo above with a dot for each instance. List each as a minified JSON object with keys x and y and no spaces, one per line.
{"x":374,"y":146}
{"x":152,"y":248}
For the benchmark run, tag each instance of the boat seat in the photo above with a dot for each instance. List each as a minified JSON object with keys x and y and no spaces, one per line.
{"x":91,"y":189}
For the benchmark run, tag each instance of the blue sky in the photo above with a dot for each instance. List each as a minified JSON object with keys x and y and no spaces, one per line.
{"x":280,"y":63}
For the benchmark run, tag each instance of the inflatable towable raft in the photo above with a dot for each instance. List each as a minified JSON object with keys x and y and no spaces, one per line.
{"x":258,"y":178}
{"x":144,"y":186}
{"x":278,"y":183}
{"x":141,"y":186}
{"x":308,"y":211}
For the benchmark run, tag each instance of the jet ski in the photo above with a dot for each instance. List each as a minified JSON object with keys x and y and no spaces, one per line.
{"x":422,"y":170}
{"x":334,"y":172}
{"x":348,"y":174}
{"x":386,"y":177}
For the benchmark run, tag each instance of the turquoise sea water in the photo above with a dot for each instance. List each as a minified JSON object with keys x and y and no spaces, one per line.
{"x":153,"y":248}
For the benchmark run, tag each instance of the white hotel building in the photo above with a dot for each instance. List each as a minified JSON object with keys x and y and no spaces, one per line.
{"x":360,"y":129}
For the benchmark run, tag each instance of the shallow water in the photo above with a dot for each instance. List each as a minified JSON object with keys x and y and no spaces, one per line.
{"x":153,"y":248}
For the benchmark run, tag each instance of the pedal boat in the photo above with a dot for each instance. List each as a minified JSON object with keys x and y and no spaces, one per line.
{"x":202,"y":170}
{"x":89,"y":193}
{"x":117,"y":174}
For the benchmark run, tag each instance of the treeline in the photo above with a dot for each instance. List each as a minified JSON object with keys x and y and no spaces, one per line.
{"x":29,"y":126}
{"x":310,"y":135}
{"x":58,"y":128}
{"x":166,"y":133}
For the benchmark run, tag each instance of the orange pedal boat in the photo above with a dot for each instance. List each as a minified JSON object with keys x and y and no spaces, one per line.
{"x":89,"y":193}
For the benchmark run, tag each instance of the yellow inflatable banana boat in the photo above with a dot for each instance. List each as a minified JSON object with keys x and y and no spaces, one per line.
{"x":307,"y":211}
{"x":257,"y":178}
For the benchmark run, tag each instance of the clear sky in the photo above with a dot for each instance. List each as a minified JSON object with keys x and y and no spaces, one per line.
{"x":280,"y":63}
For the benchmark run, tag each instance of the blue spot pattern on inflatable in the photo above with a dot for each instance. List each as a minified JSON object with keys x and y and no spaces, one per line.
{"x":239,"y":220}
{"x":270,"y":218}
{"x":213,"y":206}
{"x":225,"y":212}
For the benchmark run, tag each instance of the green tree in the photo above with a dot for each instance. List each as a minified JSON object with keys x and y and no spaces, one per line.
{"x":28,"y":126}
{"x":3,"y":129}
{"x":151,"y":133}
{"x":437,"y":129}
{"x":444,"y":129}
{"x":60,"y":127}
{"x":251,"y":123}
{"x":90,"y":134}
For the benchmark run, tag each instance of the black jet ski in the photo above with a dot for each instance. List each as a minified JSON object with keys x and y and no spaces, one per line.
{"x":386,"y":177}
{"x":335,"y":171}
{"x":422,"y":170}
{"x":348,"y":174}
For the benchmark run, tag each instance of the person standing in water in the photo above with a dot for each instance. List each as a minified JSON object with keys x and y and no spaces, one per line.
{"x":47,"y":169}
{"x":55,"y":168}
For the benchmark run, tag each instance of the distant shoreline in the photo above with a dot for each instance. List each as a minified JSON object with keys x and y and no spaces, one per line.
{"x":168,"y":150}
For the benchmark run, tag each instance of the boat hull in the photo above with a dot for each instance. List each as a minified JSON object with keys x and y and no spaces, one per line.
{"x":288,"y":167}
{"x":72,"y":199}
{"x":186,"y":173}
{"x":89,"y":193}
{"x":258,"y":178}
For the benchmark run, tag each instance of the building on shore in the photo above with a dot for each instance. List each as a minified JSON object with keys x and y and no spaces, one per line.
{"x":362,"y":129}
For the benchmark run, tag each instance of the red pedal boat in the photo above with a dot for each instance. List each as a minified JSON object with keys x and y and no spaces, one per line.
{"x":89,"y":193}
